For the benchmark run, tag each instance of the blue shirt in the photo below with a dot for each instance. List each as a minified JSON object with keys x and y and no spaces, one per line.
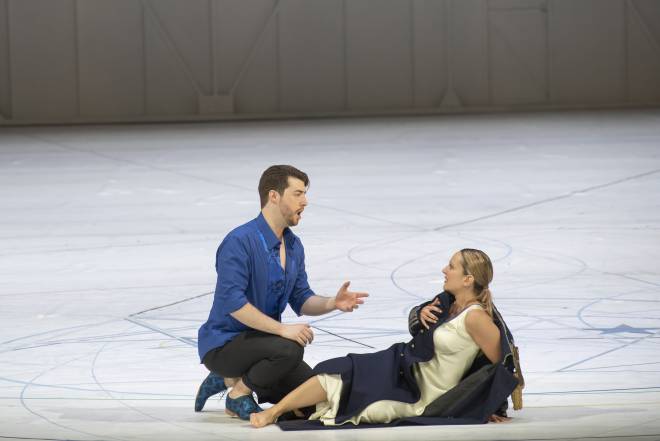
{"x":249,"y":270}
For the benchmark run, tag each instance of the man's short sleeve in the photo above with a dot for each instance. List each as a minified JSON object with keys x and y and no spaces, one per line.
{"x":232,"y":264}
{"x":301,"y":290}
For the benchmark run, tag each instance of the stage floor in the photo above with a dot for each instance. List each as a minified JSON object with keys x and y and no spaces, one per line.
{"x":108,"y":238}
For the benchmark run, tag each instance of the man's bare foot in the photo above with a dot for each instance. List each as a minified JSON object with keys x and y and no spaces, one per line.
{"x":262,"y":419}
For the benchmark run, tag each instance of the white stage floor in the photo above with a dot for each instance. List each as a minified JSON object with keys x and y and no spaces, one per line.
{"x":108,"y":238}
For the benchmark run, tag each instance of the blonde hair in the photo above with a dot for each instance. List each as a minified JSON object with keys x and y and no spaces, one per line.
{"x":477,"y":264}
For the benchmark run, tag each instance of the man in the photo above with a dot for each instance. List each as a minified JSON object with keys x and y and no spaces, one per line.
{"x":261,"y":268}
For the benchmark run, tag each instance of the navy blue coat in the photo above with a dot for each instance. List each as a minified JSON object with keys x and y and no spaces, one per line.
{"x":387,"y":375}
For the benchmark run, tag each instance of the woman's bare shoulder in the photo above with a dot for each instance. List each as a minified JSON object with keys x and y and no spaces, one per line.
{"x":477,"y":319}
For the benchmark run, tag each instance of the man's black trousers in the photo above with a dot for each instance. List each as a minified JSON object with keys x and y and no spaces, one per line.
{"x":270,"y":365}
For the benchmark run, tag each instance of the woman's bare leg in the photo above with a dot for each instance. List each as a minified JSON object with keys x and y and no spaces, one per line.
{"x":308,"y":393}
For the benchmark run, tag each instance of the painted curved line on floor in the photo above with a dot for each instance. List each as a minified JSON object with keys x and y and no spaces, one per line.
{"x":43,"y":417}
{"x":65,"y":330}
{"x":81,"y":389}
{"x":506,"y":246}
{"x":41,"y":439}
{"x":135,"y":409}
{"x":350,"y":254}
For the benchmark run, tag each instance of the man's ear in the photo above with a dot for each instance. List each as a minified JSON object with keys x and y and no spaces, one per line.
{"x":273,"y":196}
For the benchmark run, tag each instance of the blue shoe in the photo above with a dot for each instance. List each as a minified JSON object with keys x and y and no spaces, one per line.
{"x":242,"y":406}
{"x":212,"y":384}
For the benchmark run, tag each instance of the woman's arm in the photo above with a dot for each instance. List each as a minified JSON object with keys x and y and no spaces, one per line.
{"x":485,"y":333}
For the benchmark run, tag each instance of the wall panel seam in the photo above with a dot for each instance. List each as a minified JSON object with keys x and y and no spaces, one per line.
{"x":413,"y":58}
{"x":548,"y":51}
{"x":649,"y":36}
{"x":278,"y":62}
{"x":495,"y":30}
{"x":76,"y":48}
{"x":489,"y":52}
{"x":212,"y":59}
{"x":255,"y":46}
{"x":449,"y":80}
{"x":149,"y":11}
{"x":345,"y":52}
{"x":10,"y":89}
{"x":145,"y":97}
{"x":626,"y":59}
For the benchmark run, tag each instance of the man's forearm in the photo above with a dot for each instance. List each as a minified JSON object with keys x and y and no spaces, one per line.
{"x":317,"y":305}
{"x":255,"y":319}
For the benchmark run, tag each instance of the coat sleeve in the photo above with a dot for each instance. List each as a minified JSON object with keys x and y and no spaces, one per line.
{"x":445,"y":300}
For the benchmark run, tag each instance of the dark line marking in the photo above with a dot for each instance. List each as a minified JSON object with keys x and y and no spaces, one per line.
{"x":172,"y":304}
{"x":43,"y":439}
{"x":628,"y":389}
{"x":344,"y":338}
{"x":552,"y":199}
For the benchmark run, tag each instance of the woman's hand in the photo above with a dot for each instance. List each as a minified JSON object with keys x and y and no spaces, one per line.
{"x":426,"y":315}
{"x":498,"y":419}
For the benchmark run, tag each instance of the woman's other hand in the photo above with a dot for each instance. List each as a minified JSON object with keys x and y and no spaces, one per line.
{"x":498,"y":419}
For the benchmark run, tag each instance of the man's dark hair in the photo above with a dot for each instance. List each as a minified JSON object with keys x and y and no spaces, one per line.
{"x":276,"y":177}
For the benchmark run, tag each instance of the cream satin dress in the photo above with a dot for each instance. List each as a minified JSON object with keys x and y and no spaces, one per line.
{"x":455,"y":352}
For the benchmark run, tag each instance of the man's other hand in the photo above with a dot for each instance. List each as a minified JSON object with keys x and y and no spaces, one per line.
{"x":347,"y":300}
{"x":301,"y":333}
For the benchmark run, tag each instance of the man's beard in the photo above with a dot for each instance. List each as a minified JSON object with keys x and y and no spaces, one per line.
{"x":289,"y":218}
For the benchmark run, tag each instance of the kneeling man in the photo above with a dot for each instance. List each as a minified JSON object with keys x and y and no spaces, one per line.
{"x":261,"y":268}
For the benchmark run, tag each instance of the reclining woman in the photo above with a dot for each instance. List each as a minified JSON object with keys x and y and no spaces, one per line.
{"x":402,"y":381}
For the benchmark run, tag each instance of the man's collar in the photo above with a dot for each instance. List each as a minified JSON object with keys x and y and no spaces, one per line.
{"x":271,"y":239}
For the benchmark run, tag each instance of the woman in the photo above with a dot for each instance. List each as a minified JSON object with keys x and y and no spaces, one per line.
{"x":402,"y":381}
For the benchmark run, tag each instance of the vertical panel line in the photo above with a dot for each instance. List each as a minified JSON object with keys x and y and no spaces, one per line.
{"x":544,"y":10}
{"x":278,"y":61}
{"x":345,"y":48}
{"x":548,"y":51}
{"x":626,"y":59}
{"x":256,"y":45}
{"x":639,"y":19}
{"x":413,"y":59}
{"x":489,"y":50}
{"x":447,"y":44}
{"x":213,"y":82}
{"x":150,"y":13}
{"x":10,"y":94}
{"x":145,"y":101}
{"x":76,"y":49}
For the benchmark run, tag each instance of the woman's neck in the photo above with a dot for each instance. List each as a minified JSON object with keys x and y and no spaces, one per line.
{"x":464,"y":298}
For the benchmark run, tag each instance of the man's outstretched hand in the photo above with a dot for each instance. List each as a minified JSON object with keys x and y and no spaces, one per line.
{"x":346,"y":300}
